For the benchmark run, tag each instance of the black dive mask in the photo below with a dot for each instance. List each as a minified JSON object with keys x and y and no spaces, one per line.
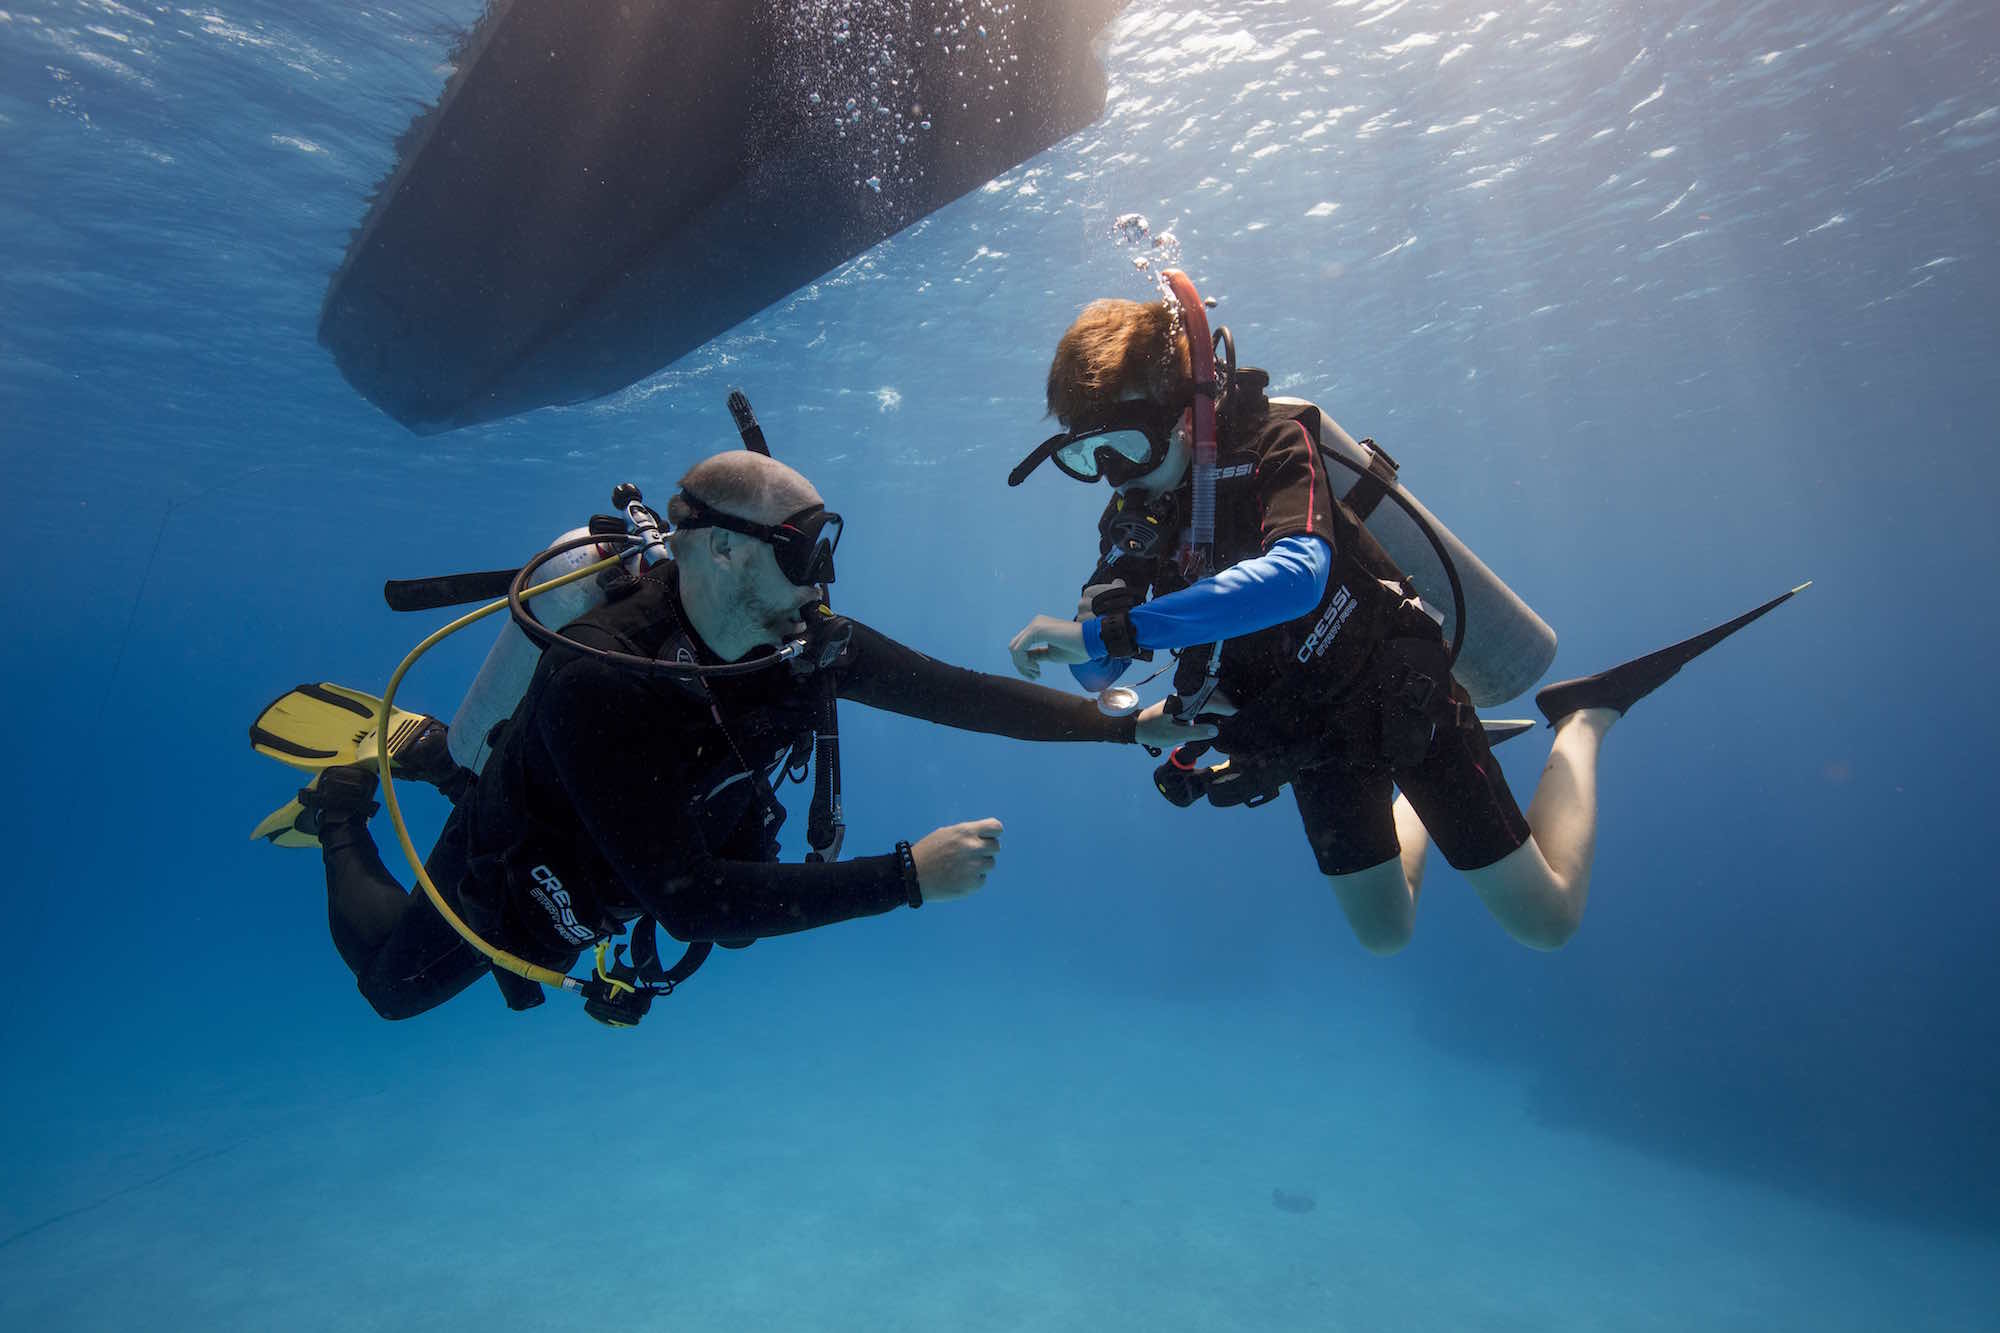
{"x":1126,"y":443}
{"x":803,"y":542}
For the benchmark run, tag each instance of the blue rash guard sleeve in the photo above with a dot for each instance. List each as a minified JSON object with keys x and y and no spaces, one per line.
{"x":1282,"y":584}
{"x":1094,"y":675}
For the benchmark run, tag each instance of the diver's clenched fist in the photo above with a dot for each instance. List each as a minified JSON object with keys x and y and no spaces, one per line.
{"x":955,"y":860}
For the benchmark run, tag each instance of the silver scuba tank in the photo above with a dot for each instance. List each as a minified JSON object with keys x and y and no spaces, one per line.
{"x":510,"y":664}
{"x":1507,"y":646}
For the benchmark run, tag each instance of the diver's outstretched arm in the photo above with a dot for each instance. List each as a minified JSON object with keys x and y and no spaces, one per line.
{"x":885,"y":674}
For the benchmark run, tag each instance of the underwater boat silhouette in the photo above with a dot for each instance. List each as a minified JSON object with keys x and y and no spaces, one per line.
{"x":602,"y":188}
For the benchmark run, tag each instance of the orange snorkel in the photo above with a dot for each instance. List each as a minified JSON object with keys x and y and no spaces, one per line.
{"x":1198,"y":555}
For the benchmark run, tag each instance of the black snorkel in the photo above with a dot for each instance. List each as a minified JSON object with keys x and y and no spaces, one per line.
{"x":645,"y":540}
{"x":621,"y":993}
{"x":826,"y":638}
{"x":620,"y":990}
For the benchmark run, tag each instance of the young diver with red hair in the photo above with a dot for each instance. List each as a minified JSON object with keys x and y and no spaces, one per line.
{"x":1228,"y":542}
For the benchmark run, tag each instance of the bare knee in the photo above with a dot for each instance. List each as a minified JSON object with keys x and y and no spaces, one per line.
{"x":1378,"y":907}
{"x":1530,"y":901}
{"x":1383,"y":938}
{"x":1544,"y":928}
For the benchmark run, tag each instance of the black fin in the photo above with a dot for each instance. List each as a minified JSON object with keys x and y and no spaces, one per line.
{"x":1627,"y":683}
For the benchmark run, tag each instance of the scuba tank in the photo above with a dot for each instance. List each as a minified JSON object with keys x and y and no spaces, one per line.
{"x":1499,"y":646}
{"x":1507,"y":647}
{"x":619,"y":992}
{"x":510,"y":664}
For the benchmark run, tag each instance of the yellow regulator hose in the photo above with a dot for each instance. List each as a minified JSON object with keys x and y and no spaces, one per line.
{"x":499,"y":957}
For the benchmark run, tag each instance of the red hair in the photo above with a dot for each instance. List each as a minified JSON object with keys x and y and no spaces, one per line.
{"x":1113,"y":348}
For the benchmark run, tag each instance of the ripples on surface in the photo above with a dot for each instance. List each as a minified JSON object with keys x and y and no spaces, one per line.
{"x":1464,"y":186}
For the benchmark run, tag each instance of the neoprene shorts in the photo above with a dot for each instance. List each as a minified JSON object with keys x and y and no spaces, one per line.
{"x":1457,"y":789}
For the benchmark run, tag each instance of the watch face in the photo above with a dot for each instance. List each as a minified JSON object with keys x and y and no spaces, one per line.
{"x":1118,"y":701}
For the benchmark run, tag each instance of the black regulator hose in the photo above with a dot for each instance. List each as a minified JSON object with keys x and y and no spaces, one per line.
{"x":1225,"y":342}
{"x":544,"y":637}
{"x":1437,"y":544}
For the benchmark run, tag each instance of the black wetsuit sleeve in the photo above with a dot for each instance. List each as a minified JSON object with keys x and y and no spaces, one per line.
{"x":1293,"y":497}
{"x":882,"y":673}
{"x":623,"y":753}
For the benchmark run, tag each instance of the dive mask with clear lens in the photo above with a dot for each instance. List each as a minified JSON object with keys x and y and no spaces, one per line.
{"x":1116,"y":455}
{"x":1126,"y":443}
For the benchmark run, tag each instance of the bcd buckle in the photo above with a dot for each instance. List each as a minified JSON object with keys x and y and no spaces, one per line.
{"x":1416,"y":698}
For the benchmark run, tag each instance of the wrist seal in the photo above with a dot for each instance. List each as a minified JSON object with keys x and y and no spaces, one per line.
{"x":906,"y":867}
{"x":1120,"y":639}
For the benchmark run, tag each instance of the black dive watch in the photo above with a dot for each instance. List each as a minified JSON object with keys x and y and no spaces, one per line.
{"x":906,"y":866}
{"x":1120,"y":639}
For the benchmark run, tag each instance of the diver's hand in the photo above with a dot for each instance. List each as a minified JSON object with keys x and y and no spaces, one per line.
{"x":954,"y":861}
{"x":1046,"y":639}
{"x":1156,"y":727}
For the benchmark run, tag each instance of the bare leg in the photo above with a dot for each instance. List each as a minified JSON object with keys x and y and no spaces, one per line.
{"x":1537,"y":892}
{"x":1381,"y":901}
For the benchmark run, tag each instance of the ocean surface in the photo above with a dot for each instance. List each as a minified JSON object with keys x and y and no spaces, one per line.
{"x":1664,"y":309}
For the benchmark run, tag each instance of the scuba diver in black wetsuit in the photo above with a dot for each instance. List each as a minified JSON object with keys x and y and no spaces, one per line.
{"x":616,"y":797}
{"x":1306,"y":641}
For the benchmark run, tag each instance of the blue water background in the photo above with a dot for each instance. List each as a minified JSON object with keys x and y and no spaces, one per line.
{"x":1663,"y":308}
